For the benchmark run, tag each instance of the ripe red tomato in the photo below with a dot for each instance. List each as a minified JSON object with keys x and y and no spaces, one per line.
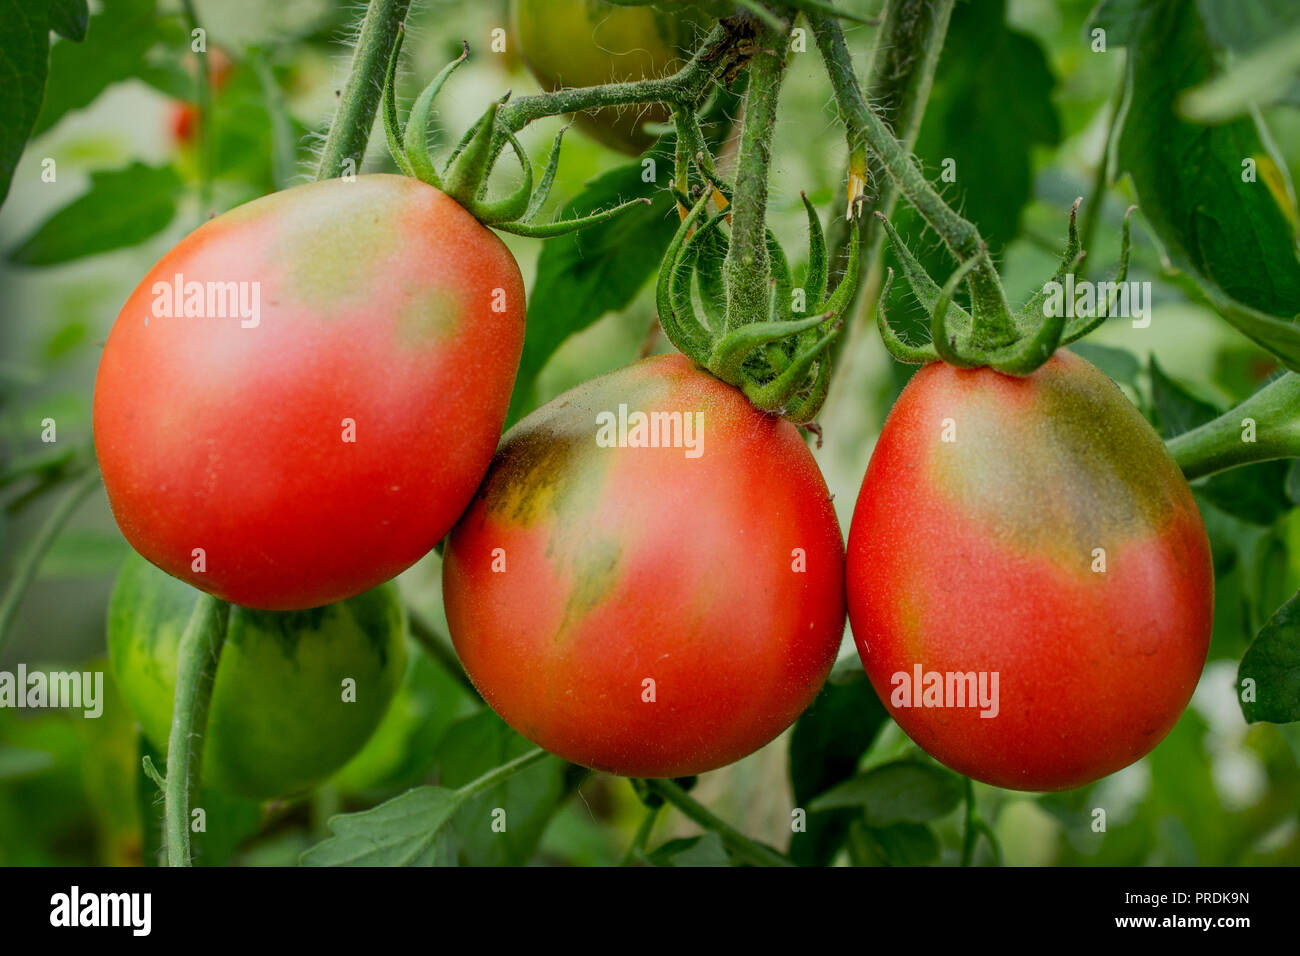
{"x":648,"y":611}
{"x":304,"y":455}
{"x":1036,"y":529}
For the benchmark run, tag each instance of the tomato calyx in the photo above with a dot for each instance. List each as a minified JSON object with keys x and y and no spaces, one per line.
{"x":464,"y":176}
{"x":778,"y":357}
{"x":1014,"y":343}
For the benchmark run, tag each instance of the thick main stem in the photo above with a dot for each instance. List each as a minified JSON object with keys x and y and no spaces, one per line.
{"x":899,"y":80}
{"x":747,"y":265}
{"x":866,"y":128}
{"x":350,"y":130}
{"x":1264,"y":427}
{"x":197,"y":658}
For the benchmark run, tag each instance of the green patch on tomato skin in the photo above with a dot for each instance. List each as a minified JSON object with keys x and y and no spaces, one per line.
{"x":1076,"y":468}
{"x":428,"y":316}
{"x":529,"y":473}
{"x":597,"y":571}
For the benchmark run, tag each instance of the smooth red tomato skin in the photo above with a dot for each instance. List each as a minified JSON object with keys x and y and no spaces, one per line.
{"x":624,"y":565}
{"x":378,"y":302}
{"x":977,"y":555}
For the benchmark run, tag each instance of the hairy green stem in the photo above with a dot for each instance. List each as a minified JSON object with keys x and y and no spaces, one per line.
{"x":735,"y":841}
{"x":196,"y":670}
{"x":350,"y":130}
{"x":900,"y":77}
{"x":866,"y":128}
{"x":30,"y":561}
{"x":717,"y":55}
{"x":747,"y":266}
{"x":1264,"y":427}
{"x":503,"y":772}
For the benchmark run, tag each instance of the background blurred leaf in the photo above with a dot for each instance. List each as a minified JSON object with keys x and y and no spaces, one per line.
{"x":1229,"y":233}
{"x":903,"y":844}
{"x":122,"y":207}
{"x":117,"y":40}
{"x":705,"y":850}
{"x":18,"y":762}
{"x":471,"y":748}
{"x":24,"y":65}
{"x":1273,"y":662}
{"x":905,"y":791}
{"x":68,"y":18}
{"x":828,"y":741}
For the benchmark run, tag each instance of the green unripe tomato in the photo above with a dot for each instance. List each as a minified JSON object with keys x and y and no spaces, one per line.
{"x":279,"y":721}
{"x":589,"y":42}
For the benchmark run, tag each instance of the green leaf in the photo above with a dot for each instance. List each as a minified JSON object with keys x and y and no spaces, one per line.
{"x":472,"y":747}
{"x":905,"y":791}
{"x":1279,"y":336}
{"x":705,"y":850}
{"x":122,"y":207}
{"x":68,"y":18}
{"x":1244,"y":25}
{"x":827,"y":742}
{"x":585,"y":274}
{"x":1273,"y":662}
{"x":24,"y":63}
{"x":1119,"y":18}
{"x":1229,"y":234}
{"x":404,"y":831}
{"x":1262,"y":77}
{"x":903,"y":844}
{"x":117,"y":40}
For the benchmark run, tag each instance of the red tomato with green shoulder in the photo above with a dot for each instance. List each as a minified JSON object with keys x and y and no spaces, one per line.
{"x":650,"y":596}
{"x":1029,"y":579}
{"x":299,"y":399}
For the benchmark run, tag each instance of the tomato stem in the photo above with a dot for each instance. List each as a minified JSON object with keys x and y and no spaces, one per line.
{"x":718,"y":55}
{"x":900,"y":77}
{"x":30,"y":561}
{"x":1264,"y":427}
{"x":350,"y":130}
{"x":992,"y":325}
{"x":198,"y":654}
{"x":747,"y":267}
{"x":636,"y":851}
{"x":735,"y":841}
{"x":498,"y":774}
